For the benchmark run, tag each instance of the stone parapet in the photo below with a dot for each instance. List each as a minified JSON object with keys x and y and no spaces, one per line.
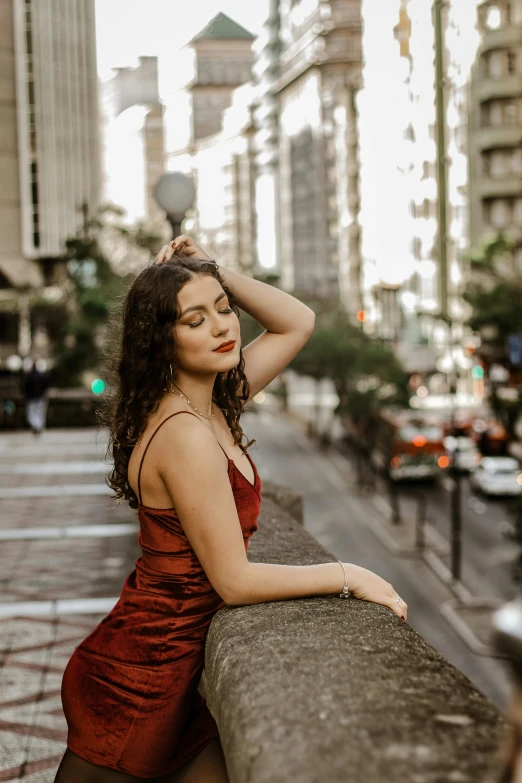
{"x":320,"y":690}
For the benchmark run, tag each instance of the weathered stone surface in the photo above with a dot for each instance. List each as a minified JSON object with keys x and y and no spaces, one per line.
{"x":320,"y":690}
{"x":285,"y":498}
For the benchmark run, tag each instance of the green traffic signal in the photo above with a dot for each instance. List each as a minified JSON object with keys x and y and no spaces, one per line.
{"x":98,"y":386}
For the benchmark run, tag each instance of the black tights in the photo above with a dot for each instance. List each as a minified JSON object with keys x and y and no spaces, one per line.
{"x":73,"y":769}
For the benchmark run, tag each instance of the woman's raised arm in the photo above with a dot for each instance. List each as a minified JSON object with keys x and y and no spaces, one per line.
{"x":288,"y":323}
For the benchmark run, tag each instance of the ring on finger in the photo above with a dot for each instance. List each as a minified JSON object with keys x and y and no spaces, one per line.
{"x":397,"y":599}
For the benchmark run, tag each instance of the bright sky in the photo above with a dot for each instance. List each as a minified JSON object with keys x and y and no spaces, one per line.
{"x":126,"y":29}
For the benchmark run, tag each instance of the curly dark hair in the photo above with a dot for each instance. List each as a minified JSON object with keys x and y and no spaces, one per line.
{"x":138,"y":366}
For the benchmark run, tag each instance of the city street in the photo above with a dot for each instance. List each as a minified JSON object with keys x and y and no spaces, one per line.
{"x":67,"y":548}
{"x":487,"y":555}
{"x":336,"y":513}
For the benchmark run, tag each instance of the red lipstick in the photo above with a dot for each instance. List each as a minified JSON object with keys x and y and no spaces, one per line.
{"x":224,"y":347}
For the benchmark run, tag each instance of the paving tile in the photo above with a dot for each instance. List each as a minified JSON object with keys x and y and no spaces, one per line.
{"x":34,"y":650}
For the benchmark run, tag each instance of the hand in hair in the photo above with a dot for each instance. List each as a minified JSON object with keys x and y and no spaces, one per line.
{"x":182,"y":247}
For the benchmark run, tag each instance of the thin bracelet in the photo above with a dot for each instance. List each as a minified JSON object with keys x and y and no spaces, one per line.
{"x":346,"y":592}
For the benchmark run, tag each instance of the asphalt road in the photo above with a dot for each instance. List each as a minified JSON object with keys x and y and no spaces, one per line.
{"x":336,"y":513}
{"x":487,"y":555}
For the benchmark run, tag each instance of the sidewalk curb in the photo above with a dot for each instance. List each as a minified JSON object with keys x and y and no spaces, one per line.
{"x":448,"y":611}
{"x":432,"y":535}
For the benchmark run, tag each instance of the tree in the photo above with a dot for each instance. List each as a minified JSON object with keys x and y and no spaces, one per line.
{"x":365,"y":372}
{"x":494,"y":293}
{"x":93,"y":289}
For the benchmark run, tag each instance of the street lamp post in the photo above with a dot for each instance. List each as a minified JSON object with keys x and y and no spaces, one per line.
{"x":175,"y":193}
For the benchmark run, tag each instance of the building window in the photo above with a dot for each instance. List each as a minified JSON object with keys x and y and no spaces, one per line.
{"x":517,"y":212}
{"x":496,"y":114}
{"x":511,"y":113}
{"x":511,"y":62}
{"x":486,"y":164}
{"x":500,"y":214}
{"x":416,"y":248}
{"x":496,"y":64}
{"x":493,"y":17}
{"x":304,"y":204}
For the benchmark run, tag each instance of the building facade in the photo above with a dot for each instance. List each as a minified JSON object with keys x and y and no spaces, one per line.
{"x":223,"y":167}
{"x":133,"y":141}
{"x":49,"y":146}
{"x":222,"y":62}
{"x":221,"y":157}
{"x":496,"y":122}
{"x":319,"y":75}
{"x":57,"y":118}
{"x":460,"y":38}
{"x":266,"y":49}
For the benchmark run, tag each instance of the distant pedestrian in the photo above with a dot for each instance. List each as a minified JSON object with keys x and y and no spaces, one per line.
{"x":36,"y":385}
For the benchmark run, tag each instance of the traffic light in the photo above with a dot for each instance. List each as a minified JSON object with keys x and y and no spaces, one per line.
{"x":98,"y":386}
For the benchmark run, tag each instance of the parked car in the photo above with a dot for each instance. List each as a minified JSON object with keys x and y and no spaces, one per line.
{"x":463,"y":451}
{"x":497,"y":476}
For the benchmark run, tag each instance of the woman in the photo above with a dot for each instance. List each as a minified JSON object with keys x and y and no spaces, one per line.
{"x":129,"y":691}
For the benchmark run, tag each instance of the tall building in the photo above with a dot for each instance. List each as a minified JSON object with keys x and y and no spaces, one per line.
{"x":49,"y":146}
{"x":221,"y":157}
{"x":222,"y":62}
{"x":223,"y":167}
{"x":133,"y":141}
{"x":319,"y":75}
{"x":266,"y":49}
{"x":496,"y":138}
{"x":134,"y":86}
{"x":460,"y":38}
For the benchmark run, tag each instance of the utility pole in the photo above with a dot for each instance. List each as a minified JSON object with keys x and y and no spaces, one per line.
{"x":442,"y":210}
{"x":442,"y":178}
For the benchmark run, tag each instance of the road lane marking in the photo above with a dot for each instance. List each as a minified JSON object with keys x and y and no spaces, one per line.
{"x":70,"y":490}
{"x":57,"y":607}
{"x":49,"y":468}
{"x":77,"y":531}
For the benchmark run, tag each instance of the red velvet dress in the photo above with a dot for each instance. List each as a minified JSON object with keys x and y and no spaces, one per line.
{"x":129,"y":690}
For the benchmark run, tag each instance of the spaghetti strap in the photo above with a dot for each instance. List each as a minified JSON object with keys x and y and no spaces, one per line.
{"x":148,"y":444}
{"x":222,"y":449}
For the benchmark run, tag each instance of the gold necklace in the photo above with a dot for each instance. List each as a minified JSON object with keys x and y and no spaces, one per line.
{"x":183,"y":396}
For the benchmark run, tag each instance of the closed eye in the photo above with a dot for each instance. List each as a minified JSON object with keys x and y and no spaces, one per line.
{"x":198,"y":323}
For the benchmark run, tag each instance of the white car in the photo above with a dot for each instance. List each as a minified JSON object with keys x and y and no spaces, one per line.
{"x":498,"y":476}
{"x":464,"y":451}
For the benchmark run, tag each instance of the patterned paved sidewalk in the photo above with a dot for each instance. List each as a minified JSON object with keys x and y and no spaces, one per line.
{"x":53,"y":588}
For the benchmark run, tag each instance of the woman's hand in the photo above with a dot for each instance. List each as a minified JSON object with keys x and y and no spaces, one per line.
{"x":370,"y":587}
{"x":182,"y":247}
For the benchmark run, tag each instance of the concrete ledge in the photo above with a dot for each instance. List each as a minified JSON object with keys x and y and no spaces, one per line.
{"x":320,"y":690}
{"x":285,"y":498}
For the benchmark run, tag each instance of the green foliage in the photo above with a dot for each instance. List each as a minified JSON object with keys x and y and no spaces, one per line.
{"x":94,"y":290}
{"x":366,"y":373}
{"x":495,"y":292}
{"x":500,"y":306}
{"x":50,"y":315}
{"x":495,"y":295}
